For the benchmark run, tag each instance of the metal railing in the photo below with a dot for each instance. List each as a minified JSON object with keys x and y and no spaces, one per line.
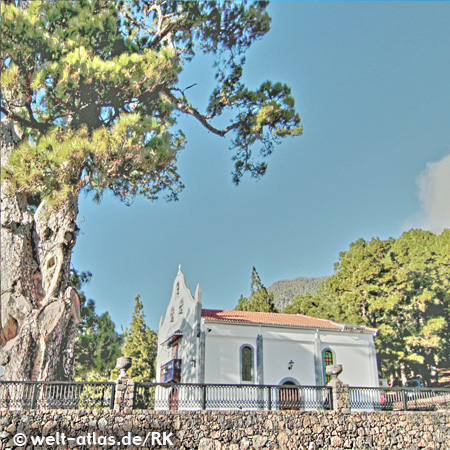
{"x":56,"y":395}
{"x":168,"y":396}
{"x":399,"y":399}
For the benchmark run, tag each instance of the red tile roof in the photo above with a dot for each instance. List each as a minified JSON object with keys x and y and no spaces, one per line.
{"x":295,"y":320}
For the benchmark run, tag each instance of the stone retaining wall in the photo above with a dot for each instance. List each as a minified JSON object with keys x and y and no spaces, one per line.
{"x":238,"y":430}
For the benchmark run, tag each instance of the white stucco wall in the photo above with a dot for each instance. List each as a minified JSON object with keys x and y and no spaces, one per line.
{"x":282,"y":345}
{"x":355,"y":351}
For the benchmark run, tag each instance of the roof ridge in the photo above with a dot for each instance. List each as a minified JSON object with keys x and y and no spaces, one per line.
{"x":296,"y":320}
{"x":268,"y":312}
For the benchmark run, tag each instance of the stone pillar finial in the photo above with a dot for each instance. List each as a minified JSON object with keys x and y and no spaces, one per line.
{"x":123,"y":364}
{"x":334,"y":371}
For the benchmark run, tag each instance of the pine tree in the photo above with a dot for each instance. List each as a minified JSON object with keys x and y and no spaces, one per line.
{"x":140,"y":342}
{"x":307,"y":304}
{"x":259,"y":300}
{"x":90,"y":98}
{"x":97,"y":344}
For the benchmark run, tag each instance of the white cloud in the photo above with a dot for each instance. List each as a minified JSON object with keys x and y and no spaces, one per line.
{"x":434,"y":194}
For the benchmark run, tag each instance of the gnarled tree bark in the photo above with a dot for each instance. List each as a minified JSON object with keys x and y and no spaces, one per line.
{"x":39,"y":309}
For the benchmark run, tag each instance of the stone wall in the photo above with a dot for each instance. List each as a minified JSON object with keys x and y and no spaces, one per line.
{"x":237,"y":430}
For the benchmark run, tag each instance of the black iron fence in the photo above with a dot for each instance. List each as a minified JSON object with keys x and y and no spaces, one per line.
{"x":56,"y":395}
{"x":399,"y":399}
{"x":167,"y":396}
{"x":182,"y":396}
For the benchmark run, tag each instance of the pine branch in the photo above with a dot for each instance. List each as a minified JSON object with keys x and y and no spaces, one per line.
{"x":203,"y":119}
{"x":42,"y":127}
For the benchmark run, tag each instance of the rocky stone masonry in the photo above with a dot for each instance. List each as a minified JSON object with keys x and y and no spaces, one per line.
{"x":241,"y":430}
{"x":124,"y":396}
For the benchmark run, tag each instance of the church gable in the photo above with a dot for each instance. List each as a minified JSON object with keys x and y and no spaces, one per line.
{"x":182,"y":305}
{"x":178,"y":332}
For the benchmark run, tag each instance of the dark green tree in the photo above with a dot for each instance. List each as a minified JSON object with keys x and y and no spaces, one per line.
{"x":400,"y":286}
{"x":259,"y":299}
{"x":309,"y":305}
{"x":97,"y":344}
{"x":140,"y":342}
{"x":412,"y":306}
{"x":90,"y":98}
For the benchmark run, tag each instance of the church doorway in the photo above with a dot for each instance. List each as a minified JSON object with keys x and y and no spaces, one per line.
{"x":289,"y":396}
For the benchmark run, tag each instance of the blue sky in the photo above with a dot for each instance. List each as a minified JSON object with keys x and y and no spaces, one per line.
{"x":371,"y":83}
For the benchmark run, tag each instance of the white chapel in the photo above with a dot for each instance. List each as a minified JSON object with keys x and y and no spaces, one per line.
{"x":197,"y":345}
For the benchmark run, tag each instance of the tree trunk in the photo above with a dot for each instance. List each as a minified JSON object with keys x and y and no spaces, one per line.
{"x":39,"y":309}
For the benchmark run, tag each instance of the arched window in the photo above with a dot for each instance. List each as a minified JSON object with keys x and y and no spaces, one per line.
{"x":246,"y":363}
{"x":172,"y":312}
{"x":178,"y":288}
{"x":180,"y":308}
{"x":327,"y":360}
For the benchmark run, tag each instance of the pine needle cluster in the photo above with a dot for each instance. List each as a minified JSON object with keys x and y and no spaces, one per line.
{"x":94,"y":86}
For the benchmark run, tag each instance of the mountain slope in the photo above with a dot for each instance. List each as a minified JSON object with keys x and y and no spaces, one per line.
{"x":285,"y":290}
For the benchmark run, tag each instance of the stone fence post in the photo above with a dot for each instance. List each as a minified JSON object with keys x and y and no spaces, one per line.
{"x":124,"y":396}
{"x":341,"y":392}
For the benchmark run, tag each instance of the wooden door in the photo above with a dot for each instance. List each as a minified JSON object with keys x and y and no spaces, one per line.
{"x":173,"y":399}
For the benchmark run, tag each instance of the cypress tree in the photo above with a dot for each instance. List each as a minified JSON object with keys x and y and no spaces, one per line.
{"x":259,"y":300}
{"x":140,"y":342}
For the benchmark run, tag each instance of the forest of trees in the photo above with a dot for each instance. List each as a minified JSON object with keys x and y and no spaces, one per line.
{"x":400,"y":286}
